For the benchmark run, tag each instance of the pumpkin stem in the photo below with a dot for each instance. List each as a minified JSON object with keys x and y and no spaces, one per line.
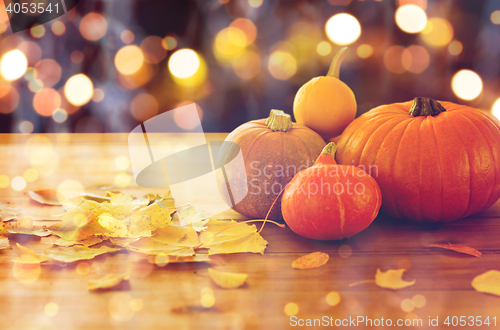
{"x":424,"y":106}
{"x":336,"y":62}
{"x":279,"y":121}
{"x":330,"y":149}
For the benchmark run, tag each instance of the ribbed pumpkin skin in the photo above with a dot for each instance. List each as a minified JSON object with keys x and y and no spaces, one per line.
{"x":430,"y":168}
{"x":262,"y":148}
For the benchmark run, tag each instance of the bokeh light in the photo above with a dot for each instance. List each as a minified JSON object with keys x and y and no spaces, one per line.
{"x":4,"y":181}
{"x":119,"y":307}
{"x":455,"y":47}
{"x":136,"y":304}
{"x":153,"y":50}
{"x":13,"y":65}
{"x":393,"y":59}
{"x":129,"y":60}
{"x":122,"y":179}
{"x":411,"y":18}
{"x":255,"y":3}
{"x":51,"y":309}
{"x":79,"y":89}
{"x":324,"y":48}
{"x":76,"y":56}
{"x":407,"y":305}
{"x":18,"y":183}
{"x":59,"y":115}
{"x":207,"y":298}
{"x":127,"y":37}
{"x":229,"y":43}
{"x":30,"y":175}
{"x":438,"y":32}
{"x":26,"y":273}
{"x":345,"y":251}
{"x":282,"y":65}
{"x":58,"y":28}
{"x":122,"y":162}
{"x":495,"y":108}
{"x":31,"y":50}
{"x":26,"y":127}
{"x":185,"y":122}
{"x":98,"y":95}
{"x":184,"y":63}
{"x":70,"y":188}
{"x":37,"y":31}
{"x":247,"y":27}
{"x":169,"y":43}
{"x":46,"y":101}
{"x":333,"y":298}
{"x":364,"y":51}
{"x":343,"y":29}
{"x":467,"y":85}
{"x":419,"y":301}
{"x":9,"y":99}
{"x":247,"y":65}
{"x":93,"y":26}
{"x":291,"y":309}
{"x":495,"y":17}
{"x":48,"y":71}
{"x":144,"y":106}
{"x":415,"y":59}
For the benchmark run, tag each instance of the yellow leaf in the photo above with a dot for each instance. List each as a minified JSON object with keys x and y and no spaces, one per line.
{"x":232,"y":237}
{"x":227,"y":280}
{"x":27,"y":256}
{"x":108,"y":282}
{"x":392,"y":279}
{"x":488,"y":282}
{"x":189,"y":216}
{"x":9,"y":212}
{"x":89,"y":241}
{"x":115,"y":227}
{"x":311,"y":260}
{"x":77,"y":252}
{"x":121,"y":241}
{"x":47,"y":197}
{"x":4,"y":243}
{"x":25,"y":226}
{"x":79,"y":223}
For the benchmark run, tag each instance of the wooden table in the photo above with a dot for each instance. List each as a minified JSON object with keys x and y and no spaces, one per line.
{"x":171,"y":295}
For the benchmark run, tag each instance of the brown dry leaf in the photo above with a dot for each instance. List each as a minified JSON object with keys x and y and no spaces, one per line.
{"x":25,"y":226}
{"x":311,"y":260}
{"x":28,"y":256}
{"x":227,"y":280}
{"x":232,"y":237}
{"x":108,"y":282}
{"x":4,"y":243}
{"x":392,"y":279}
{"x":76,"y":253}
{"x":48,"y":197}
{"x":9,"y":212}
{"x":488,"y":282}
{"x":458,"y":248}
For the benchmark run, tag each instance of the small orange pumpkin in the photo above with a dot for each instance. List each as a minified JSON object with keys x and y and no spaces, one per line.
{"x":274,"y":150}
{"x":434,"y":162}
{"x":326,"y":104}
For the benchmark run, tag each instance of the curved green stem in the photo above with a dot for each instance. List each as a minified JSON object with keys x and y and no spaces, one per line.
{"x":336,"y":62}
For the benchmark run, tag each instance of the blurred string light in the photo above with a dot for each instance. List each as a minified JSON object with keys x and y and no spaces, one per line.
{"x":18,"y":183}
{"x":122,"y":162}
{"x":46,"y":101}
{"x":364,"y":51}
{"x":324,"y":48}
{"x":495,"y":17}
{"x":495,"y":108}
{"x":438,"y":32}
{"x":58,"y":28}
{"x":93,"y":26}
{"x":169,"y":43}
{"x":455,"y":47}
{"x":144,"y":106}
{"x":343,"y":29}
{"x":467,"y":85}
{"x":31,"y":50}
{"x":282,"y":65}
{"x":229,"y":43}
{"x":13,"y":65}
{"x":9,"y":99}
{"x":187,"y":67}
{"x":411,"y":18}
{"x":127,"y":37}
{"x":247,"y":27}
{"x":255,"y":3}
{"x":79,"y":89}
{"x":37,"y":31}
{"x":186,"y":122}
{"x":129,"y":59}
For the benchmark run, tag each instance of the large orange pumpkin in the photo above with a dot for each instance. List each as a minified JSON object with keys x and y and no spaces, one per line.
{"x":274,"y":150}
{"x":435,"y":162}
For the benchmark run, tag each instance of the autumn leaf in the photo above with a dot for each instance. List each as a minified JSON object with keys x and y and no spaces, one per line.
{"x":488,"y":282}
{"x":169,"y":241}
{"x":4,"y":243}
{"x":28,"y":256}
{"x":122,"y":241}
{"x":227,"y":280}
{"x":109,"y":282}
{"x":76,"y":253}
{"x":311,"y":260}
{"x":458,"y":248}
{"x":392,"y":279}
{"x":9,"y":212}
{"x":189,"y":216}
{"x":79,"y":223}
{"x":25,"y":226}
{"x":48,"y":197}
{"x":231,"y":237}
{"x":89,"y":241}
{"x":195,"y":258}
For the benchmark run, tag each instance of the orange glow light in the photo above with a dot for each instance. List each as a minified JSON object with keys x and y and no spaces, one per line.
{"x":93,"y":26}
{"x":48,"y":71}
{"x":247,"y":27}
{"x":393,"y":59}
{"x":144,"y":106}
{"x":127,"y":37}
{"x":9,"y":99}
{"x":415,"y":59}
{"x":58,"y":28}
{"x":46,"y":101}
{"x":153,"y":50}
